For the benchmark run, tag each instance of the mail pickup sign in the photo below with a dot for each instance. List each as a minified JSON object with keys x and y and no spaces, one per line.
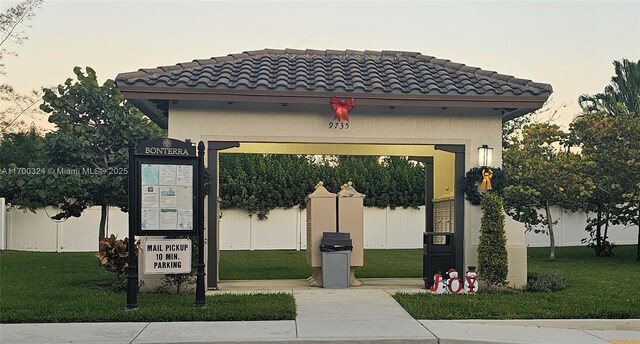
{"x":167,"y":256}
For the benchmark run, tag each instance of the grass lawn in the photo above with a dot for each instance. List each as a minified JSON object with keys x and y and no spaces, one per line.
{"x":70,"y":287}
{"x":242,"y":265}
{"x":597,"y":288}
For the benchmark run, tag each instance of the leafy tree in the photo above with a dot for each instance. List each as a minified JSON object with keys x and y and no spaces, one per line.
{"x":542,"y":175}
{"x":624,"y":90}
{"x":601,"y":138}
{"x":22,"y":148}
{"x":611,"y":145}
{"x":512,"y":127}
{"x":14,"y":22}
{"x":15,"y":107}
{"x":93,"y":124}
{"x":19,"y":151}
{"x":27,"y":179}
{"x":609,"y":134}
{"x":493,"y":262}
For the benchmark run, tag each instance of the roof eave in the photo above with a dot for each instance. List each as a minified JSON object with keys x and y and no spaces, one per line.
{"x":141,"y":95}
{"x":518,"y":113}
{"x":305,"y":97}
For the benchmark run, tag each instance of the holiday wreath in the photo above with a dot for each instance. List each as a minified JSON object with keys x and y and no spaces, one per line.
{"x":486,"y":178}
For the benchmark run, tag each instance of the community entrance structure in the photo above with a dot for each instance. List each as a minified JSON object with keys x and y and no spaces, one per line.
{"x":344,"y":102}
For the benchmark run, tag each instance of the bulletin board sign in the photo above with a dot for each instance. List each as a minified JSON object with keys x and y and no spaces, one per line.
{"x":166,"y":188}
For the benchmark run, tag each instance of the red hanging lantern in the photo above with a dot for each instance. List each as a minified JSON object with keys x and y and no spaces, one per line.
{"x":342,"y":107}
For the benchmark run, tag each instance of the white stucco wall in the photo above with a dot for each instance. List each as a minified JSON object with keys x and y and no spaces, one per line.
{"x":298,"y":123}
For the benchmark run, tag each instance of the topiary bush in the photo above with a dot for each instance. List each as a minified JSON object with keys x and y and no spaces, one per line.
{"x":492,"y":251}
{"x":544,"y":282}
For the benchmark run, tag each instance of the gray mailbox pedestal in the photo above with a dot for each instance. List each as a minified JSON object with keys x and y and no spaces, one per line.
{"x":336,"y":259}
{"x":335,"y":269}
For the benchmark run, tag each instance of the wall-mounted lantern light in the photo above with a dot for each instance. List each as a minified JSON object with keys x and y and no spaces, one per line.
{"x":485,"y":156}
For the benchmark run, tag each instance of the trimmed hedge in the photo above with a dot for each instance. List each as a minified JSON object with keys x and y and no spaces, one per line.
{"x":258,"y":183}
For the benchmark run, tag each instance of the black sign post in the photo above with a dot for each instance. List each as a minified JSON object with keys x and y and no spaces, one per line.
{"x":166,"y":192}
{"x":200,"y":300}
{"x":132,"y":259}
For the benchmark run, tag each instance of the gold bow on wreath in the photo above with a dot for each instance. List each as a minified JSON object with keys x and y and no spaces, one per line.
{"x":487,"y":174}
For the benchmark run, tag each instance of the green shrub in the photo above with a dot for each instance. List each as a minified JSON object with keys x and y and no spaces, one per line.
{"x":492,"y":251}
{"x":543,"y":282}
{"x":181,"y":282}
{"x":113,"y":256}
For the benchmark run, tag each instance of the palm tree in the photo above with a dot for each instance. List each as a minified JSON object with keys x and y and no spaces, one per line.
{"x":624,"y":91}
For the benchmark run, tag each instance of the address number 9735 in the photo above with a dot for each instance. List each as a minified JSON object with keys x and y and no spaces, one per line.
{"x":338,"y":125}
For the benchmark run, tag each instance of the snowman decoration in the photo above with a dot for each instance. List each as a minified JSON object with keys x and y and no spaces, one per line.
{"x":454,"y":284}
{"x":451,"y":283}
{"x":471,"y":281}
{"x":439,"y":284}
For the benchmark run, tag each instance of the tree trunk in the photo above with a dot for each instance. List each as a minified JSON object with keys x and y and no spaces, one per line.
{"x":102,"y":233}
{"x":598,"y":233}
{"x":552,"y":240}
{"x":606,"y":227}
{"x":606,"y":250}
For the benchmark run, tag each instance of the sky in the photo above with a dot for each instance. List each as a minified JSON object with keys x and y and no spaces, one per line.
{"x":570,"y":45}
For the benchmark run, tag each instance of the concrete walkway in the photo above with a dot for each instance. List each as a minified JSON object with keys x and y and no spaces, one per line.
{"x":362,"y":315}
{"x":356,"y":315}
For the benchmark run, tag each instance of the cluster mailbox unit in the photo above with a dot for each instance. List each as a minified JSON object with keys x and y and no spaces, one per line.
{"x":351,"y":220}
{"x":335,"y":213}
{"x":321,"y":217}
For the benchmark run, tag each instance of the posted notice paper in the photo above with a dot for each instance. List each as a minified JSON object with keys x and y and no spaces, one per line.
{"x":149,"y":174}
{"x":150,"y":197}
{"x":150,"y":218}
{"x":168,"y":218}
{"x":184,"y":175}
{"x":167,"y":174}
{"x":167,"y":196}
{"x":184,"y":197}
{"x":185,"y":219}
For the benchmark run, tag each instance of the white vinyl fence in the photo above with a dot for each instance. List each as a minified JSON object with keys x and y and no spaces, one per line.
{"x":287,"y":229}
{"x":284,"y":229}
{"x":569,"y":231}
{"x":27,"y":231}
